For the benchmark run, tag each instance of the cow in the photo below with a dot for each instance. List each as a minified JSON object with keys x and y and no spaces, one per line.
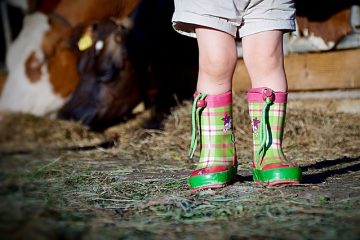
{"x":42,"y":71}
{"x":151,"y":63}
{"x":108,"y":88}
{"x":27,"y":88}
{"x":321,"y":25}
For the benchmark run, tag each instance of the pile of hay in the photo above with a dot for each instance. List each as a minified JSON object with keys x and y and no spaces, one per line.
{"x":310,"y":135}
{"x":26,"y":132}
{"x":314,"y":134}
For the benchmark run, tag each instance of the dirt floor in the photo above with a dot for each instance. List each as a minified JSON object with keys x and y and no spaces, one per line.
{"x":58,"y":180}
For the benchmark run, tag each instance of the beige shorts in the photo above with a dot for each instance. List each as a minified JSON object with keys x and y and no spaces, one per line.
{"x":235,"y":17}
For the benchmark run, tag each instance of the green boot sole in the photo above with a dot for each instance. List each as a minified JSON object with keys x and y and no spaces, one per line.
{"x":213,"y":180}
{"x":277,"y":176}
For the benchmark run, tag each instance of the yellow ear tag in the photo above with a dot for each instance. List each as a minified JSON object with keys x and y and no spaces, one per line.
{"x":85,"y":42}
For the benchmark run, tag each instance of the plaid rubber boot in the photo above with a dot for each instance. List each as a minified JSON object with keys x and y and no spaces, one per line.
{"x":267,"y":112}
{"x":212,"y":121}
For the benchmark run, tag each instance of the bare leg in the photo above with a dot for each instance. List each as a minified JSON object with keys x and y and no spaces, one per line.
{"x":263,"y":56}
{"x":212,"y":110}
{"x":217,"y":61}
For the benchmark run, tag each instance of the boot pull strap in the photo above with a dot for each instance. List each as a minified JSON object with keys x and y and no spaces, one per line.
{"x":268,"y":96}
{"x":198,"y":105}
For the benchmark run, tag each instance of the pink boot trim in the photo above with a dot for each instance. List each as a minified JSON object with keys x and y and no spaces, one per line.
{"x":260,"y":94}
{"x":218,"y":100}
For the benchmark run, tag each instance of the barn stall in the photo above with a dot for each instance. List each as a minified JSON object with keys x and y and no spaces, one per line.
{"x":59,"y":178}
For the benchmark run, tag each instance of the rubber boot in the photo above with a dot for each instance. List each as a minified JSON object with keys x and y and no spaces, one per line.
{"x":267,"y":112}
{"x":212,"y":122}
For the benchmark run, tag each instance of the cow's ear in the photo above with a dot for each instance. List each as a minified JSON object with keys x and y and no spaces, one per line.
{"x":76,"y":35}
{"x":127,"y":23}
{"x":82,"y":37}
{"x":123,"y":30}
{"x":86,"y":40}
{"x":88,"y":37}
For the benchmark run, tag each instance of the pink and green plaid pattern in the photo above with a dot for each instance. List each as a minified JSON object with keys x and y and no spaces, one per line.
{"x":216,"y":132}
{"x":275,"y":116}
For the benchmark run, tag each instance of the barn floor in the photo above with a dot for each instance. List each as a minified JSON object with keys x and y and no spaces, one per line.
{"x":60,"y":181}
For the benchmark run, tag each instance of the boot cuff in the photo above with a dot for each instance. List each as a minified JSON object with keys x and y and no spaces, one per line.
{"x":260,"y":94}
{"x":218,"y":100}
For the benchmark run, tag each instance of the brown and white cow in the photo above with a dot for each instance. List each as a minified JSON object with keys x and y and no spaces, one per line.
{"x":321,"y":25}
{"x":27,"y":87}
{"x":42,"y":72}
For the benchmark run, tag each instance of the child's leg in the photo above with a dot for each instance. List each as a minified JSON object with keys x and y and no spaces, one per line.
{"x":217,"y":60}
{"x":263,"y":56}
{"x":212,"y":111}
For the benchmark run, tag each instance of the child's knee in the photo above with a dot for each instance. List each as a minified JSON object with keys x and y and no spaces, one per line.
{"x":218,"y":63}
{"x":263,"y":51}
{"x":266,"y":61}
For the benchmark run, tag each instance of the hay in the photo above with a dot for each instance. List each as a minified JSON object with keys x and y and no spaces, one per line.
{"x":25,"y":131}
{"x":307,"y":131}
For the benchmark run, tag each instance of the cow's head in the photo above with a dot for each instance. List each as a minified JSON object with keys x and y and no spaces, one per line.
{"x":108,"y":89}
